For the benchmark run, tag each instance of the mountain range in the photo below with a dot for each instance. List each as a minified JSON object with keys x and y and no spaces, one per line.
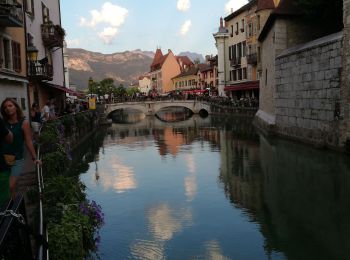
{"x":123,"y":67}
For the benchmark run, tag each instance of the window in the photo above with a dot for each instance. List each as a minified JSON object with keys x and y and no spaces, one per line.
{"x":234,"y":55}
{"x":239,"y":74}
{"x":29,"y":7}
{"x":231,"y":30}
{"x":239,"y":50}
{"x":230,"y":52}
{"x":7,"y":55}
{"x":234,"y":75}
{"x":29,"y":39}
{"x":23,"y":103}
{"x":242,"y":28}
{"x":265,"y":77}
{"x":258,"y":22}
{"x":236,"y":28}
{"x":244,"y":73}
{"x":244,"y":46}
{"x":46,"y":13}
{"x":16,"y":56}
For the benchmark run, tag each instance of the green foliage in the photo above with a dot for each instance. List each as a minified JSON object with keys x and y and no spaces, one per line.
{"x":68,"y":123}
{"x":54,"y":163}
{"x":49,"y":134}
{"x":66,"y":237}
{"x":133,"y":90}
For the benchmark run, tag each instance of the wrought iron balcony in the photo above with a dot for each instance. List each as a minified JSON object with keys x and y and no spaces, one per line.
{"x":252,"y":58}
{"x":52,"y":35}
{"x":11,"y":13}
{"x":40,"y":72}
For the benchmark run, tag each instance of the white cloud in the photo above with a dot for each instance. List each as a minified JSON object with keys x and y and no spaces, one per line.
{"x":110,"y":14}
{"x":73,"y":43}
{"x":185,"y":27}
{"x":234,"y":5}
{"x":183,"y":5}
{"x":108,"y":34}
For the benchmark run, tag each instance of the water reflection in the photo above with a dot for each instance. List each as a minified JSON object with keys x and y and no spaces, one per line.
{"x":282,"y":200}
{"x":117,"y":176}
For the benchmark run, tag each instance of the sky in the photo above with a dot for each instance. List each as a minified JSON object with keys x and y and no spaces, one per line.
{"x":126,"y":25}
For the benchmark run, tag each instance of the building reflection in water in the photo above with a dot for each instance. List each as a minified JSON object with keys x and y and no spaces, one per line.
{"x":299,"y":196}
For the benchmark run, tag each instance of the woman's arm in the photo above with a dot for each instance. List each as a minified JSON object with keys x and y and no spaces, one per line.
{"x":28,"y":139}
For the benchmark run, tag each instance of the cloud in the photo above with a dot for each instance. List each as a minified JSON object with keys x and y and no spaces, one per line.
{"x":234,"y":5}
{"x":185,"y":27}
{"x":183,"y":5}
{"x":108,"y":34}
{"x":110,"y":14}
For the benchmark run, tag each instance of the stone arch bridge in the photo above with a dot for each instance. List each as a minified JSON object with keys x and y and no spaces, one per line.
{"x":152,"y":107}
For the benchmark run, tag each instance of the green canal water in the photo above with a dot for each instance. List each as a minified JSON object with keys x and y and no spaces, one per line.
{"x":213,"y":188}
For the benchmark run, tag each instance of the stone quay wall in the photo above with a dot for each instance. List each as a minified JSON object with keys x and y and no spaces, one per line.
{"x":308,"y":91}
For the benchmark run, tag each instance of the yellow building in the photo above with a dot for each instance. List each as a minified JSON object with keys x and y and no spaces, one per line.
{"x":13,"y":81}
{"x":164,"y":68}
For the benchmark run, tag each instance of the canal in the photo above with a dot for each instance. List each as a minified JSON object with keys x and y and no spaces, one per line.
{"x":213,"y":188}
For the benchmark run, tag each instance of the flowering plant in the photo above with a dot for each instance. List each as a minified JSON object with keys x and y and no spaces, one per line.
{"x":96,"y":218}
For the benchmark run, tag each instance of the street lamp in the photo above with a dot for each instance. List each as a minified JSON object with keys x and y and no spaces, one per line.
{"x":32,"y":53}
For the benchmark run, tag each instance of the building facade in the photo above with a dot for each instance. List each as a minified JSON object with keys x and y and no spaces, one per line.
{"x":145,"y":84}
{"x":45,"y":36}
{"x":13,"y":81}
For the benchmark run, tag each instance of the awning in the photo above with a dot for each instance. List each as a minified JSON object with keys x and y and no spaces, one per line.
{"x":194,"y":91}
{"x":64,"y":89}
{"x":243,"y":86}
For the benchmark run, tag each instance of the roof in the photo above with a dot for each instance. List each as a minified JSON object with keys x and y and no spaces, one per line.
{"x":265,"y":4}
{"x":286,"y":8}
{"x":185,"y":60}
{"x":204,"y":67}
{"x":240,"y":10}
{"x":191,"y":71}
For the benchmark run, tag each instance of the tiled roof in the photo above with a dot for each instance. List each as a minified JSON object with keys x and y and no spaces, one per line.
{"x":185,"y":60}
{"x":158,"y":57}
{"x":265,"y":4}
{"x":191,"y":71}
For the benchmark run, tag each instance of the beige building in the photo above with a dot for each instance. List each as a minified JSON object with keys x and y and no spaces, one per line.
{"x":241,"y":80}
{"x":164,"y":68}
{"x":208,"y":75}
{"x":13,"y":81}
{"x":145,"y":83}
{"x":186,"y":80}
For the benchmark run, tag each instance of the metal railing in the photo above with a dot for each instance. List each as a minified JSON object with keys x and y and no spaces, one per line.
{"x":14,"y":233}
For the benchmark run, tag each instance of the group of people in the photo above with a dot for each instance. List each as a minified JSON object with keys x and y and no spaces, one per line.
{"x":15,"y":132}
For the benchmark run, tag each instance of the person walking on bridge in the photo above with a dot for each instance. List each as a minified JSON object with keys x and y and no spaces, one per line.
{"x":20,"y":128}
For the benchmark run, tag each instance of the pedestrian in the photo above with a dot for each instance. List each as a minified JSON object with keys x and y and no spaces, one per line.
{"x":35,"y":117}
{"x":52,"y":110}
{"x":45,"y":113}
{"x":5,"y":137}
{"x":20,"y":128}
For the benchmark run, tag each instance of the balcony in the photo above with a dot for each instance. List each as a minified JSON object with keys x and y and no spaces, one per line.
{"x":40,"y":72}
{"x":52,"y":35}
{"x":252,"y":59}
{"x":11,"y":13}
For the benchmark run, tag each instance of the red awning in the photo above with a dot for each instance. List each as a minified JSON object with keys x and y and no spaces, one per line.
{"x":243,"y":86}
{"x":64,"y":89}
{"x":192,"y":91}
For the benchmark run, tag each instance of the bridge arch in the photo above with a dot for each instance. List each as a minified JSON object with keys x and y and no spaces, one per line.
{"x":152,"y":107}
